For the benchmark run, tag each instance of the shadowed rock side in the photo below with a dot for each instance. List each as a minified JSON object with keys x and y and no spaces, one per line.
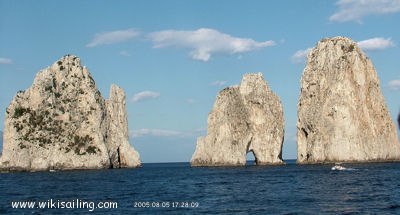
{"x":245,"y":118}
{"x":398,"y":120}
{"x":342,"y":115}
{"x":62,"y":122}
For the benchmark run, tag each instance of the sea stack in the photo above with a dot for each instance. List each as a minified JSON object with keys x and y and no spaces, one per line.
{"x":62,"y":122}
{"x":245,"y":118}
{"x":342,"y":115}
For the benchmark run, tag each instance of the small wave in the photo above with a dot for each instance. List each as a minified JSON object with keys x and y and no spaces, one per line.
{"x":342,"y":168}
{"x":396,"y":206}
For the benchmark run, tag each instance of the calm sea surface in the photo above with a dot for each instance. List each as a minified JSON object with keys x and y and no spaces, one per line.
{"x":176,"y":188}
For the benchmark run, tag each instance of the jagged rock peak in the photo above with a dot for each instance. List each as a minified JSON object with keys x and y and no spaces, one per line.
{"x":67,"y":63}
{"x":61,"y":122}
{"x":245,"y":118}
{"x":342,"y":115}
{"x":69,"y":59}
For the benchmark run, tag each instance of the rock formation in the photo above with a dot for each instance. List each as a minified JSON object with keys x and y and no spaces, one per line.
{"x":342,"y":115}
{"x":63,"y":122}
{"x":245,"y":118}
{"x":120,"y":151}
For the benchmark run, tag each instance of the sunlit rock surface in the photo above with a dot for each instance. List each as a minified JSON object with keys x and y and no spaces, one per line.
{"x":342,"y":115}
{"x":245,"y":118}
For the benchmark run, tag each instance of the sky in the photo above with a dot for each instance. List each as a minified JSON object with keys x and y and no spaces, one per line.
{"x":172,"y":57}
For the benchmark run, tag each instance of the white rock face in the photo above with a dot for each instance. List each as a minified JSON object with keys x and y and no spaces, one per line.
{"x":245,"y":118}
{"x":120,"y":151}
{"x":342,"y":115}
{"x":62,"y":122}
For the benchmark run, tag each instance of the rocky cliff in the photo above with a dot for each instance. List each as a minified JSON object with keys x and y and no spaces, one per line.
{"x":342,"y":115}
{"x":63,"y":122}
{"x":245,"y":118}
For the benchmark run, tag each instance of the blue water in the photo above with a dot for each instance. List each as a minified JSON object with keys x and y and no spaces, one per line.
{"x":176,"y":188}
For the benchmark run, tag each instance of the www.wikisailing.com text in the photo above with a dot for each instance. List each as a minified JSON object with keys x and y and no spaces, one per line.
{"x":60,"y":204}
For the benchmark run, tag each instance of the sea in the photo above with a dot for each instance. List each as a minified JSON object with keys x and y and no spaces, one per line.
{"x":177,"y":188}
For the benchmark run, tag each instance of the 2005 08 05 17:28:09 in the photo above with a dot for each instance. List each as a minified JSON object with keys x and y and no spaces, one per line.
{"x":166,"y":204}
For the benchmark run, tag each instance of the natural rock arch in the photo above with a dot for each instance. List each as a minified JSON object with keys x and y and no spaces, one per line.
{"x":245,"y":118}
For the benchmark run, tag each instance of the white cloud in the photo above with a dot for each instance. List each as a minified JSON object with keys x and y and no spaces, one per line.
{"x":155,"y":132}
{"x":374,"y":44}
{"x":394,"y":84}
{"x":5,"y":61}
{"x":200,"y":130}
{"x":355,"y":10}
{"x":145,"y":95}
{"x":191,"y":101}
{"x":301,"y":55}
{"x":124,"y":53}
{"x":205,"y":42}
{"x":112,"y":37}
{"x":166,"y":133}
{"x":218,"y":83}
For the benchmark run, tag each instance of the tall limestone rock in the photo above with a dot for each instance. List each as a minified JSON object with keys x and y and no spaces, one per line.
{"x":245,"y":118}
{"x":120,"y":151}
{"x":342,"y":115}
{"x":63,"y":122}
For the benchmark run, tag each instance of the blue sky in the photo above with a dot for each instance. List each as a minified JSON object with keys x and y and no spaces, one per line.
{"x":173,"y":57}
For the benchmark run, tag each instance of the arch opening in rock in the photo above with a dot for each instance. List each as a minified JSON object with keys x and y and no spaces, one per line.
{"x":251,"y":158}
